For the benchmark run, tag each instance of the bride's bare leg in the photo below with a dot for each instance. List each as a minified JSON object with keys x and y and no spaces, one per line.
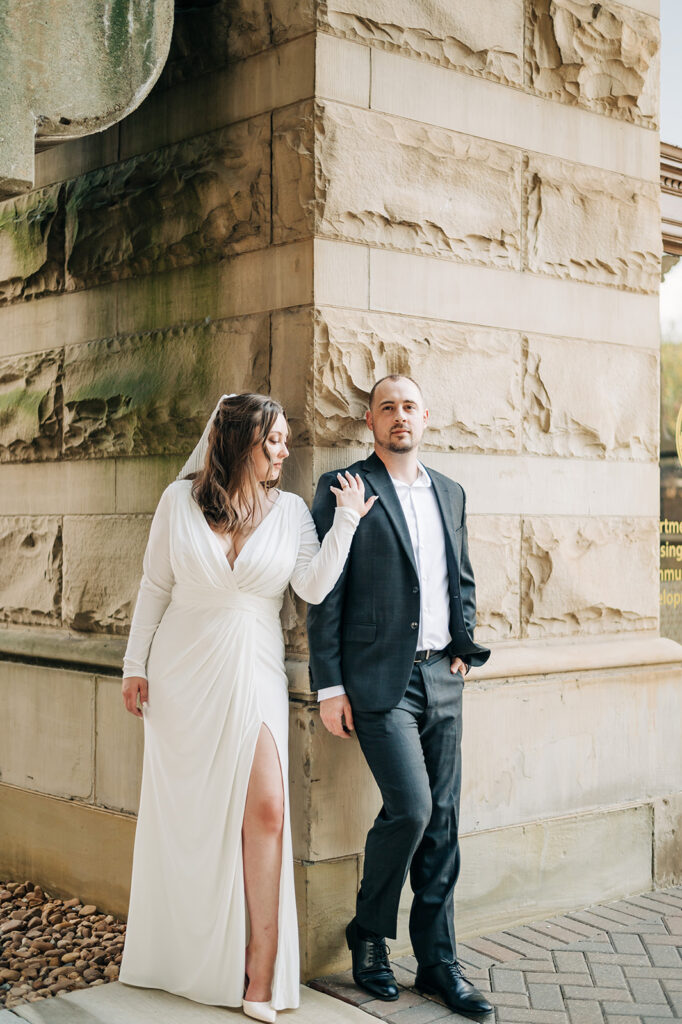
{"x":262,"y":846}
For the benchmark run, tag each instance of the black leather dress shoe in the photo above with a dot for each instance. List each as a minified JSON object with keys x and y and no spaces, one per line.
{"x":448,"y":982}
{"x":371,"y":969}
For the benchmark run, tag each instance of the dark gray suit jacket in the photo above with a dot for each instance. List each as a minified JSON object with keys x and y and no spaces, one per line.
{"x":364,"y":634}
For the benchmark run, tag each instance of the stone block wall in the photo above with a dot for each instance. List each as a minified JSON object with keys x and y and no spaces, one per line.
{"x":313,"y":196}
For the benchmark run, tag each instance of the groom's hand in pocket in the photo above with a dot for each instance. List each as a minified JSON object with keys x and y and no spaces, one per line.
{"x":337,"y":716}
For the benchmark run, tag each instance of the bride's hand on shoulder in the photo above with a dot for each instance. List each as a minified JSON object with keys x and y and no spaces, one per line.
{"x":132,"y":685}
{"x":351,"y":494}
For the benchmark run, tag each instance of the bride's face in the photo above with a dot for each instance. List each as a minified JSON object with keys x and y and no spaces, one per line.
{"x":275,"y":444}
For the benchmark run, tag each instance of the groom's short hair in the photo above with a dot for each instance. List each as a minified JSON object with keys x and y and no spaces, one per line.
{"x":393,"y":376}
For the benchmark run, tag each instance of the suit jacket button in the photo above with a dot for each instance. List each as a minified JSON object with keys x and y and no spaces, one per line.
{"x":415,"y":590}
{"x":414,"y":625}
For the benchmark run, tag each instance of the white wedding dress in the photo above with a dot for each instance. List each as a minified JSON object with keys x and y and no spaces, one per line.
{"x":208,"y":639}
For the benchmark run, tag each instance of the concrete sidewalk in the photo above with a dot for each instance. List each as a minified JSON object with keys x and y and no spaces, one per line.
{"x":122,"y":1004}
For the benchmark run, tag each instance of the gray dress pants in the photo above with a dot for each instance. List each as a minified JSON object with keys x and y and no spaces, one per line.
{"x":414,"y":754}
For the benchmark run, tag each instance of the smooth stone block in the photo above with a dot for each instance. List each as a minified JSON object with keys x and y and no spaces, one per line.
{"x":433,"y":95}
{"x":325,"y":900}
{"x":525,"y":484}
{"x":119,"y":747}
{"x":333,"y":796}
{"x":251,"y":282}
{"x":70,"y":848}
{"x":50,"y":745}
{"x":442,"y":289}
{"x":567,"y":742}
{"x":275,"y":77}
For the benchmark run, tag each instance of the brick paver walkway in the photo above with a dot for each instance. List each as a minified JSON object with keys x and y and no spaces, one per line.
{"x":616,"y":963}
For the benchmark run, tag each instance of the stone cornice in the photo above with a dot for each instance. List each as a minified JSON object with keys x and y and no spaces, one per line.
{"x":671,"y":198}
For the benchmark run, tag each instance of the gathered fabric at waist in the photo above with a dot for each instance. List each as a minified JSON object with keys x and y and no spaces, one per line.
{"x":195,"y":596}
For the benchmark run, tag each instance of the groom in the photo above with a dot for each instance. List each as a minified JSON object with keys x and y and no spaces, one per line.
{"x":389,"y":648}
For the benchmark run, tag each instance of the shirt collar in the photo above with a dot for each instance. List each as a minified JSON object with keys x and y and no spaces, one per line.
{"x":423,"y":479}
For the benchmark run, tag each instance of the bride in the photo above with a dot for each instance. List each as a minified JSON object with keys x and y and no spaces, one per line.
{"x":205,"y":659}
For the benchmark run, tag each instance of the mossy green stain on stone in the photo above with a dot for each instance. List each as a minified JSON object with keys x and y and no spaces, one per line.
{"x":26,"y":224}
{"x":20,"y":403}
{"x":150,"y":392}
{"x":126,"y":49}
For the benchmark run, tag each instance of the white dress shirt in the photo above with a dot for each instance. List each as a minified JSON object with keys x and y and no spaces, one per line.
{"x":424,"y":521}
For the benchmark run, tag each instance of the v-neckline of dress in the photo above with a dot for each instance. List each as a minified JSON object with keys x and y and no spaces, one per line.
{"x":253,"y":533}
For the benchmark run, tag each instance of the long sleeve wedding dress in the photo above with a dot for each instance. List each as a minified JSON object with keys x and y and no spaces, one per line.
{"x":208,"y":638}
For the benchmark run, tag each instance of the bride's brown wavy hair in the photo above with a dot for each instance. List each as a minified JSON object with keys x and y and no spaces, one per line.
{"x":226,"y":489}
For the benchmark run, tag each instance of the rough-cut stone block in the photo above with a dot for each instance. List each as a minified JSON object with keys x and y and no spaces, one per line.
{"x":586,"y":400}
{"x":292,"y":369}
{"x":292,"y":617}
{"x":470,"y":377}
{"x":294,"y":190}
{"x":32,"y":244}
{"x":591,"y":225}
{"x":119,"y":746}
{"x":291,"y":18}
{"x":102,"y":570}
{"x":30,"y":569}
{"x":495,"y":550}
{"x":30,"y":414}
{"x":151,"y":393}
{"x":587,"y":576}
{"x":484,"y":38}
{"x":604,"y":57}
{"x":227,"y":31}
{"x":334,"y":799}
{"x":197,"y":201}
{"x":668,"y":840}
{"x":396,"y":184}
{"x":49,"y":745}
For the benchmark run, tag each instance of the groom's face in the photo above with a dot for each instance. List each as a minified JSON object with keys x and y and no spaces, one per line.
{"x":397,"y":417}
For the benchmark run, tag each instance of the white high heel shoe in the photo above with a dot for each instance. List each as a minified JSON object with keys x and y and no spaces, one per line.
{"x":259,"y":1011}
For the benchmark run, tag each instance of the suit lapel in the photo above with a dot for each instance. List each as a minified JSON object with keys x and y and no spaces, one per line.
{"x":382,"y":484}
{"x":445,"y":504}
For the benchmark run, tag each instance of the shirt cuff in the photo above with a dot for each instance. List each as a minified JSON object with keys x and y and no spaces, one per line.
{"x":330,"y":691}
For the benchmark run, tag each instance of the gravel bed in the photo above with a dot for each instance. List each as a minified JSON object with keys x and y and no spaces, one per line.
{"x":50,"y":945}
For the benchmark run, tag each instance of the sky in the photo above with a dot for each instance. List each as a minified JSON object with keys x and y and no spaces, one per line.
{"x":671,"y":71}
{"x":671,"y":131}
